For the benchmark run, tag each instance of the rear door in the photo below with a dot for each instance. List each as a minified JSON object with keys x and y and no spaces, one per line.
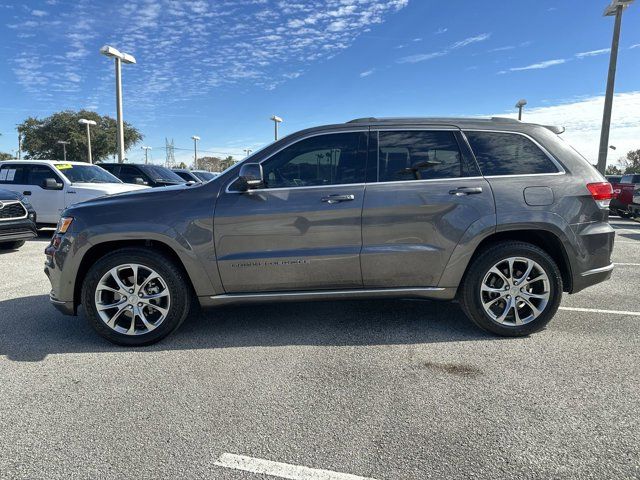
{"x":302,"y":230}
{"x":425,"y":193}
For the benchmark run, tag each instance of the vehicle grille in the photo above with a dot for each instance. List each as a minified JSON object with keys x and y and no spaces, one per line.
{"x":12,"y":210}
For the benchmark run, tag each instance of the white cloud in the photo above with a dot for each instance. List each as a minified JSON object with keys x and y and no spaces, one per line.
{"x":421,"y":57}
{"x":39,"y":13}
{"x":583,"y":119}
{"x":367,"y":73}
{"x":541,"y":65}
{"x":637,"y":45}
{"x":441,"y":30}
{"x":593,"y":53}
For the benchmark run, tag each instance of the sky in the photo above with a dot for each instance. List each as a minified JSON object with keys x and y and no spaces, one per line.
{"x":219,"y":69}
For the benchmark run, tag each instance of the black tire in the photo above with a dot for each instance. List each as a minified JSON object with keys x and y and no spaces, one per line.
{"x":12,"y":245}
{"x":179,"y":288}
{"x":470,"y":293}
{"x":623,"y":214}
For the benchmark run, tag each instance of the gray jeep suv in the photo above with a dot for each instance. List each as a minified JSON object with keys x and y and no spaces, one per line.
{"x":502,"y":215}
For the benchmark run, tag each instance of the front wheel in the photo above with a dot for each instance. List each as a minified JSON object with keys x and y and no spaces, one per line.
{"x":512,"y":289}
{"x":135,"y":296}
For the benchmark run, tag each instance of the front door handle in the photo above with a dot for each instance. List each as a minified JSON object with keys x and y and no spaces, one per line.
{"x":460,"y":191}
{"x":26,"y":192}
{"x":338,"y":198}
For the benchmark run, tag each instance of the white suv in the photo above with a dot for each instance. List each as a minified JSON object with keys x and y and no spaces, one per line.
{"x":52,"y":186}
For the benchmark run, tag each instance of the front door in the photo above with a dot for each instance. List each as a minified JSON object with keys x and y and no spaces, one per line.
{"x":302,"y":229}
{"x":426,"y":193}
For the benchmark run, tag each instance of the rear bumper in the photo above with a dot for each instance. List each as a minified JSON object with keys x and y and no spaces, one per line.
{"x":592,"y":263}
{"x":592,"y":277}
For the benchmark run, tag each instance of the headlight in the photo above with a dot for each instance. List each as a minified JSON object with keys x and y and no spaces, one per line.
{"x":64,"y":224}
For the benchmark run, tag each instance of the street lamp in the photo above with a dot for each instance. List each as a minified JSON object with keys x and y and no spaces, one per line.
{"x":119,"y":58}
{"x":520,"y":105}
{"x":64,"y":148}
{"x":614,"y":9}
{"x":276,"y":121}
{"x":247,"y":151}
{"x":146,"y":154}
{"x":88,"y":123}
{"x":195,"y":139}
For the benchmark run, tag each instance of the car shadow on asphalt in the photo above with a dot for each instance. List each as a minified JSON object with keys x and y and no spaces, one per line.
{"x":31,"y":329}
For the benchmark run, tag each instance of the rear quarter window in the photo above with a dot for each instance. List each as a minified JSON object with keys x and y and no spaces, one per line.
{"x":503,"y":153}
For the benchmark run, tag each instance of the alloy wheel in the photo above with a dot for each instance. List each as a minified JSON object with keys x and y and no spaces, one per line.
{"x":132,"y":299}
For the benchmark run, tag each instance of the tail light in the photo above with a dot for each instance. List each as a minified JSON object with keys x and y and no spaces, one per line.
{"x":602,"y":193}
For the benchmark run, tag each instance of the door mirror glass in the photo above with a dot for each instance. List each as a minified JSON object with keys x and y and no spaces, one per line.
{"x":251,"y":175}
{"x":139,"y":181}
{"x":51,"y":184}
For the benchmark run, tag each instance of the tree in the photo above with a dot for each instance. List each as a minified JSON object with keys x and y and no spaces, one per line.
{"x":215,"y":164}
{"x":6,"y":156}
{"x":41,"y":136}
{"x":612,"y":170}
{"x":631,"y":162}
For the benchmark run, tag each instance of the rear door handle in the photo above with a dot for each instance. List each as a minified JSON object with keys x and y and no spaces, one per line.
{"x":26,"y":192}
{"x":460,"y":191}
{"x":338,"y":198}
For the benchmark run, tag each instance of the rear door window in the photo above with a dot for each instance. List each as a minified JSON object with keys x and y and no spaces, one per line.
{"x":12,"y":174}
{"x":503,"y":153}
{"x":630,"y":179}
{"x":419,"y":155}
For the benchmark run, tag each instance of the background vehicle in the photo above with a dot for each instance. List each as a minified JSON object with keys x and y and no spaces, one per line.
{"x":199,"y":176}
{"x":623,"y":194}
{"x":500,"y":214}
{"x":143,"y":174}
{"x":52,"y":186}
{"x":17,"y":220}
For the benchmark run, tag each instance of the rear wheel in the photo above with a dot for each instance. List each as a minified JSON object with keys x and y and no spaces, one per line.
{"x":512,"y":289}
{"x":135,"y":296}
{"x":12,"y":245}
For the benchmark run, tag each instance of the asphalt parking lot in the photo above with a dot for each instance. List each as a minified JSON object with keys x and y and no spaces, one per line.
{"x":373,"y":389}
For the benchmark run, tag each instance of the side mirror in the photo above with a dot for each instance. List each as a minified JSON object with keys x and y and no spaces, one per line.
{"x":51,"y":184}
{"x":139,"y":181}
{"x":251,"y":174}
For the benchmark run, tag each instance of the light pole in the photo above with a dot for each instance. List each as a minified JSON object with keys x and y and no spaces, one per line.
{"x":520,"y":105}
{"x":616,"y":8}
{"x":146,"y":154}
{"x":276,"y":121}
{"x":88,"y":123}
{"x":195,"y":139}
{"x":64,"y":148}
{"x":19,"y":142}
{"x":119,"y":58}
{"x":247,"y":151}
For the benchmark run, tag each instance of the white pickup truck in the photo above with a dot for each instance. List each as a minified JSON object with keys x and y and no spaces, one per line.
{"x":51,"y":186}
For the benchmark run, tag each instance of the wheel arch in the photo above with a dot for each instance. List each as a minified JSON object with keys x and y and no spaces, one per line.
{"x":96,"y":252}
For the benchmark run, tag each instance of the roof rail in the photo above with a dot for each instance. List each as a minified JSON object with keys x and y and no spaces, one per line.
{"x":363,"y":120}
{"x":505,"y":119}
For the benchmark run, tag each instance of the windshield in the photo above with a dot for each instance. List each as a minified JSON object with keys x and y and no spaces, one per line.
{"x":86,"y":173}
{"x":205,"y":176}
{"x":162,"y":174}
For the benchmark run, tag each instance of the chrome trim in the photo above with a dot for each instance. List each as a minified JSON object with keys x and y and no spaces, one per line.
{"x":595,"y":271}
{"x":13,"y":202}
{"x":310,"y":135}
{"x":558,"y":165}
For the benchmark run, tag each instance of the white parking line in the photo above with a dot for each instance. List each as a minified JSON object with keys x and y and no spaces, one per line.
{"x":628,"y":264}
{"x":282,"y":470}
{"x":597,"y":310}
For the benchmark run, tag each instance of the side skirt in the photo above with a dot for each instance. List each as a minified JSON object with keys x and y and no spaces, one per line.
{"x":434,"y":293}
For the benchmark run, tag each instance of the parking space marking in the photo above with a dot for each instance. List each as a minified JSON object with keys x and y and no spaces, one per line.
{"x":627,"y":264}
{"x":282,"y":470}
{"x":597,"y":310}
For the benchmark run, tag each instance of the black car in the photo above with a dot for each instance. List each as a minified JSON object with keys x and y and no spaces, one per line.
{"x":143,"y":174}
{"x":199,"y":176}
{"x":17,"y":220}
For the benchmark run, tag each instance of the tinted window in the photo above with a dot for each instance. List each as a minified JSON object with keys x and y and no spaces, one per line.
{"x":418,"y":155}
{"x":186,"y":176}
{"x":205,"y":176}
{"x":12,"y":174}
{"x":630,"y":179}
{"x":129,"y":174}
{"x":161,"y":174}
{"x":37,"y":174}
{"x":508,"y":154}
{"x":322,"y":160}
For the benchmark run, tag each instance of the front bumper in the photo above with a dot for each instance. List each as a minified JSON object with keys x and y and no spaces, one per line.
{"x":17,"y":230}
{"x":61,"y":273}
